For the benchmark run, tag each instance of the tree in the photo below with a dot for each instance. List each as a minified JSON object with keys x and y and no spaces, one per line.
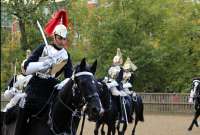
{"x":24,"y":10}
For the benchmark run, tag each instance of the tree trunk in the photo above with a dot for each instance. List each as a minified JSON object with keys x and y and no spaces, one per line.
{"x":23,"y":38}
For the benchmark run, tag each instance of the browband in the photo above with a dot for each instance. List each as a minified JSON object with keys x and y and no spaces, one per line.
{"x":80,"y":74}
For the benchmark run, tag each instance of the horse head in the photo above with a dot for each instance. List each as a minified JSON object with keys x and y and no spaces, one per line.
{"x":86,"y":83}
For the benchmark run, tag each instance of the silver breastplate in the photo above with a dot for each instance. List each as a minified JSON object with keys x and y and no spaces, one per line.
{"x":60,"y":56}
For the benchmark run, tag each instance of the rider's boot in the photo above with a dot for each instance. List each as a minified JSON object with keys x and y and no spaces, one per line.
{"x":130,"y":109}
{"x":121,"y":112}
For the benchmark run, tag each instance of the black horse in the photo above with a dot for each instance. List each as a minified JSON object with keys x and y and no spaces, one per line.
{"x":111,"y":114}
{"x":60,"y":119}
{"x":138,"y":109}
{"x":196,"y":88}
{"x":111,"y":110}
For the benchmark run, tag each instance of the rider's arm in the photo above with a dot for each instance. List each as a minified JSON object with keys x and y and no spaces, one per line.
{"x":32,"y":64}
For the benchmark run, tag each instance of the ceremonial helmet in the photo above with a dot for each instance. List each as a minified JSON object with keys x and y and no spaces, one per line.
{"x":118,"y":60}
{"x":58,"y":24}
{"x":128,"y":65}
{"x":60,"y":30}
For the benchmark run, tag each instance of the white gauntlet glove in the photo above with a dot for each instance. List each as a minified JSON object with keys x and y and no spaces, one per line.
{"x":10,"y":93}
{"x":34,"y":67}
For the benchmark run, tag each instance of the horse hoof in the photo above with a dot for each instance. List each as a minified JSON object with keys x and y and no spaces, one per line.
{"x":189,"y":129}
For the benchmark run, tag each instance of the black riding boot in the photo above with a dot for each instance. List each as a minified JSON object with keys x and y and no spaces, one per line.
{"x":121,"y":110}
{"x":130,"y":109}
{"x":21,"y":123}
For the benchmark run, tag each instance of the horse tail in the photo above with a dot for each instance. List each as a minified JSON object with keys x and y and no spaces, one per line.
{"x":139,"y":109}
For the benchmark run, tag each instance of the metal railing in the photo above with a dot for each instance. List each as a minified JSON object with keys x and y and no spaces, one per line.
{"x":158,"y":102}
{"x":167,"y":102}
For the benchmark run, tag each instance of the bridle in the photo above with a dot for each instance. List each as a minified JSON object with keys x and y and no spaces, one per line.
{"x":75,"y":75}
{"x":74,"y":112}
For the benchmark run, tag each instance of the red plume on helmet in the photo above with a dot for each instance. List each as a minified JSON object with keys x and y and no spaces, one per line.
{"x":59,"y":17}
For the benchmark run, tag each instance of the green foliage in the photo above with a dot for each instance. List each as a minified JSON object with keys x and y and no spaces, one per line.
{"x":11,"y":55}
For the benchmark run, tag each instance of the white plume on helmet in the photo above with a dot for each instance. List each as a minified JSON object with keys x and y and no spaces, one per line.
{"x":118,"y":57}
{"x":128,"y":65}
{"x":61,"y":30}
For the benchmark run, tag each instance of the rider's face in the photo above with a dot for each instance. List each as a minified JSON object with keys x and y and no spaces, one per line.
{"x":60,"y":41}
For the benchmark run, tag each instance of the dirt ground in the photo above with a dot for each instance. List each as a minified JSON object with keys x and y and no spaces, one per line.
{"x":157,"y":124}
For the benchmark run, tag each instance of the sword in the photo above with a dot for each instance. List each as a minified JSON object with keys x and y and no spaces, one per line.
{"x":15,"y":72}
{"x":123,"y":103}
{"x":43,"y":35}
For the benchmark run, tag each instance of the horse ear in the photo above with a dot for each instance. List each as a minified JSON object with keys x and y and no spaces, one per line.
{"x":94,"y":67}
{"x":83,"y":64}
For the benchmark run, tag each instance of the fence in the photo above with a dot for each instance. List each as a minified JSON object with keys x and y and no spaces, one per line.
{"x":159,"y":102}
{"x":167,"y":102}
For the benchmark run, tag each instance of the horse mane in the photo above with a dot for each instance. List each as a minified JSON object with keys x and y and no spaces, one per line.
{"x":67,"y":86}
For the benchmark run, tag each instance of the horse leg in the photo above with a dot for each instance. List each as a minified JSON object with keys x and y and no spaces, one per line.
{"x":97,"y":128}
{"x":118,"y":127}
{"x":109,"y":129}
{"x":135,"y":124}
{"x":196,"y":123}
{"x":124,"y":128}
{"x":113,"y":128}
{"x":102,"y":129}
{"x":193,"y":121}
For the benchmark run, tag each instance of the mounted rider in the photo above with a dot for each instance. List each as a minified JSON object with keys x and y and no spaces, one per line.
{"x":16,"y":85}
{"x":45,"y":64}
{"x":129,"y":67}
{"x":114,"y":83}
{"x":195,"y":83}
{"x":115,"y":74}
